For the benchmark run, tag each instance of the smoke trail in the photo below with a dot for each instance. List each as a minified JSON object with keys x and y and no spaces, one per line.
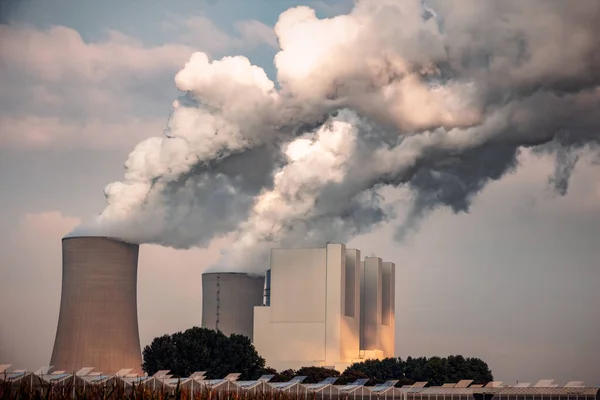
{"x":439,"y":98}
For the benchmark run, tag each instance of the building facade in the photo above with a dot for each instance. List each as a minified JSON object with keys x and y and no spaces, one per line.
{"x":319,"y":309}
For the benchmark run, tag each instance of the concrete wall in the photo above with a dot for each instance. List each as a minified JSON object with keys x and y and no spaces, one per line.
{"x":371,"y":303}
{"x":388,"y":306}
{"x":350,"y":321}
{"x":228,"y":301}
{"x":97,"y":324}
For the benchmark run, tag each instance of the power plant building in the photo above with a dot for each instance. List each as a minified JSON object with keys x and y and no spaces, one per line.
{"x":228,"y":301}
{"x":98,"y":322}
{"x":324,"y":307}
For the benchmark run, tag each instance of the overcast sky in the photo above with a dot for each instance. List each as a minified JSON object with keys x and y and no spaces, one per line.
{"x":514,"y":281}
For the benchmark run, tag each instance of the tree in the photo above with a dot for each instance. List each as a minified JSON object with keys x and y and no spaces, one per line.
{"x":316,"y":374}
{"x":283,"y":376}
{"x":200,"y":349}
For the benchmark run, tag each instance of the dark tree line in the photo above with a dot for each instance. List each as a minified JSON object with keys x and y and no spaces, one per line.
{"x":435,"y":370}
{"x":199,"y":349}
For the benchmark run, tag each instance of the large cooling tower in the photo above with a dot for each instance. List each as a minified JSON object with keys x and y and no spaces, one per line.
{"x":98,"y":325}
{"x":228,"y":301}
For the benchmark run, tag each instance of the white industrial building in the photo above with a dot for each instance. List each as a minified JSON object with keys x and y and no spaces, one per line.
{"x":324,"y":307}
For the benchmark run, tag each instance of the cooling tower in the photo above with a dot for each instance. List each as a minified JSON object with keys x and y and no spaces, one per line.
{"x":97,"y":324}
{"x":228,"y":301}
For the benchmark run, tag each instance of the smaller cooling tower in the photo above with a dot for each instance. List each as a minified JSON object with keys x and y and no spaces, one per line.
{"x":228,"y":301}
{"x":97,"y":324}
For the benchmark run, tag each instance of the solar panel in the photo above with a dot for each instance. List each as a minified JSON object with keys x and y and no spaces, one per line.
{"x":161,"y":374}
{"x":317,"y":386}
{"x":84,"y":371}
{"x":359,"y":382}
{"x":124,"y":372}
{"x":544,"y":383}
{"x":43,"y":370}
{"x":247,"y":384}
{"x":476,"y":386}
{"x":282,"y":385}
{"x":384,"y":386}
{"x":12,"y":376}
{"x":198,"y":374}
{"x":330,"y":380}
{"x":571,"y":384}
{"x":448,"y":385}
{"x":266,"y":378}
{"x":522,"y":385}
{"x":97,"y":378}
{"x":377,"y":389}
{"x":55,"y":377}
{"x":233,"y":377}
{"x":494,"y":384}
{"x":4,"y":367}
{"x":463,"y":383}
{"x":298,"y":379}
{"x":349,"y":388}
{"x":419,"y":384}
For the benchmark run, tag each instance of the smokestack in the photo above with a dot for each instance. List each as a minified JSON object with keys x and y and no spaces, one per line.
{"x":228,"y":301}
{"x":98,"y":325}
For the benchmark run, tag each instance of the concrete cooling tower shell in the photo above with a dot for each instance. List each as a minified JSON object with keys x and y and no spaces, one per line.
{"x":97,"y":324}
{"x":228,"y":301}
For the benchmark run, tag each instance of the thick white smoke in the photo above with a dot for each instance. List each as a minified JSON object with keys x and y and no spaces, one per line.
{"x":439,"y":98}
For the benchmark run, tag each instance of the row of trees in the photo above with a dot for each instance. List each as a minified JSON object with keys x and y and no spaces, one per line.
{"x":199,"y":349}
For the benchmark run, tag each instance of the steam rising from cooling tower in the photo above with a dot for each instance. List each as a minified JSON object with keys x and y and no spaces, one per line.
{"x":438,"y":98}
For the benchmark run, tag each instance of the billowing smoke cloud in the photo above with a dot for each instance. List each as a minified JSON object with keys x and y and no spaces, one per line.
{"x":437,"y":97}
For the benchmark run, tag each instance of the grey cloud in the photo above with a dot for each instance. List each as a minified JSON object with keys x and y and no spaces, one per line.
{"x":441,"y":105}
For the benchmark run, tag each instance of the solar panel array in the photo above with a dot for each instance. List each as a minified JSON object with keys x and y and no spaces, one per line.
{"x":463,"y":390}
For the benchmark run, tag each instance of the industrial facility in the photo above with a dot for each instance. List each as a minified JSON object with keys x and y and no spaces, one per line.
{"x":315,"y":307}
{"x":321,"y":307}
{"x":98,"y":323}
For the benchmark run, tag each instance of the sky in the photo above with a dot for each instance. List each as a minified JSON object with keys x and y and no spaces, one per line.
{"x":512,"y":281}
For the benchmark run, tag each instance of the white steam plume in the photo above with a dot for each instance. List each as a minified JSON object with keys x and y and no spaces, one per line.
{"x":439,"y":98}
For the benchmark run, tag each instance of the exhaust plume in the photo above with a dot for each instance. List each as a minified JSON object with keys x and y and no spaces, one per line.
{"x":438,"y":97}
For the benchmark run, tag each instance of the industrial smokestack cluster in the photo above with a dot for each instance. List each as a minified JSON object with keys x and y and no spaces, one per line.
{"x":98,"y":324}
{"x":228,"y":301}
